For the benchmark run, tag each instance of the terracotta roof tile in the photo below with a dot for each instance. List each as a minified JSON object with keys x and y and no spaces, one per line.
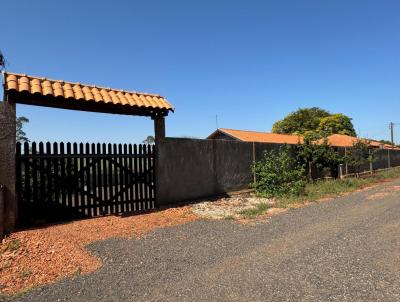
{"x":341,"y":140}
{"x":77,"y":91}
{"x":262,"y":137}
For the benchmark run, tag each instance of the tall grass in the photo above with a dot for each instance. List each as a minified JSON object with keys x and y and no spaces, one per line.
{"x":334,"y":187}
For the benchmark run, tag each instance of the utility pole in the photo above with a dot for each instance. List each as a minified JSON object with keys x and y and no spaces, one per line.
{"x":216,"y":120}
{"x":391,"y":127}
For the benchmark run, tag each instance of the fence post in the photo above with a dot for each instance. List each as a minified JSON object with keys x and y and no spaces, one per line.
{"x":1,"y":211}
{"x":8,"y":163}
{"x":371,"y":169}
{"x":341,"y":171}
{"x":345,"y":153}
{"x":388,"y":155}
{"x":254,"y":162}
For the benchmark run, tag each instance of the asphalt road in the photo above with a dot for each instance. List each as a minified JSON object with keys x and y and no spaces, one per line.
{"x":347,"y":249}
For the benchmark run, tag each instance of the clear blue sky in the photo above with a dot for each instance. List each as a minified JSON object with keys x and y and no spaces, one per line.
{"x":250,"y":62}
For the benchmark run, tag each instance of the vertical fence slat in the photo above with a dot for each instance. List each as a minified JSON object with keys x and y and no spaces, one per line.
{"x":27,"y":179}
{"x":145,"y":177}
{"x":135,"y":170}
{"x":94,"y":181}
{"x":126,"y":183}
{"x":69,"y":177}
{"x":34,"y":174}
{"x":153,"y":176}
{"x":83,"y":174}
{"x":99,"y":180}
{"x":121,"y":179}
{"x":116,"y":180}
{"x":131,"y":179}
{"x":89,"y":183}
{"x":56,"y":201}
{"x":62,"y":172}
{"x":42,"y":174}
{"x":75,"y":178}
{"x":19,"y":177}
{"x":105,"y":180}
{"x":50,"y":180}
{"x":110,"y":180}
{"x":140,"y":180}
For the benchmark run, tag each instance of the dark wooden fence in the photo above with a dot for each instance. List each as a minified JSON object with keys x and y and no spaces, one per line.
{"x":60,"y":181}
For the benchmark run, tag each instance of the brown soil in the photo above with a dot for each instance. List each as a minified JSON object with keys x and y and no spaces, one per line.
{"x":35,"y":257}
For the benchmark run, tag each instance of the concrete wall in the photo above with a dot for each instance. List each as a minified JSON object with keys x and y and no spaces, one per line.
{"x":188,"y":169}
{"x":7,"y":166}
{"x":382,"y":159}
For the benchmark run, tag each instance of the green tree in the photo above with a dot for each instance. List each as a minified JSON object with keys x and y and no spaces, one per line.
{"x":301,"y":121}
{"x":316,"y":154}
{"x":21,"y":135}
{"x":278,"y":174}
{"x":2,"y":61}
{"x":314,"y":120}
{"x":358,"y":155}
{"x":149,"y":140}
{"x":336,"y":124}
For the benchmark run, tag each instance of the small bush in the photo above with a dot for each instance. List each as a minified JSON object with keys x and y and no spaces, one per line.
{"x":278,"y":174}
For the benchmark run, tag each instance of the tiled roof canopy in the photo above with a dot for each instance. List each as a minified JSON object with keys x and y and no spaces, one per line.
{"x":21,"y":88}
{"x":261,"y":137}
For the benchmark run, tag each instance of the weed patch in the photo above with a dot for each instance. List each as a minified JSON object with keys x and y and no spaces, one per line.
{"x":254,"y":212}
{"x":331,"y":188}
{"x":12,"y":246}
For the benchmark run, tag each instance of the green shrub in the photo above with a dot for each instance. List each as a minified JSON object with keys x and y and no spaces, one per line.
{"x":278,"y":174}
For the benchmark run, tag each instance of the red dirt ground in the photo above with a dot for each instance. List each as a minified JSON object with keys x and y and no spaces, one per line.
{"x":39,"y":256}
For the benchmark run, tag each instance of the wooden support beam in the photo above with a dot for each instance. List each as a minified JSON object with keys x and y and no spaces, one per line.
{"x":159,"y":127}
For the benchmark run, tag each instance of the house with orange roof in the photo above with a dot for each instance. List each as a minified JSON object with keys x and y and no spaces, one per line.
{"x":255,"y":136}
{"x":346,"y":141}
{"x":334,"y":140}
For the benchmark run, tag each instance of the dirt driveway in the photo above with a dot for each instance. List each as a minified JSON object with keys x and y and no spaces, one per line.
{"x":347,"y":249}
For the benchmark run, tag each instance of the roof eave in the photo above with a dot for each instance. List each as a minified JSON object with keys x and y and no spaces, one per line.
{"x":82,"y":105}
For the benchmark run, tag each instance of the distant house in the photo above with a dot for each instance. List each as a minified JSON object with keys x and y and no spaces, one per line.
{"x":254,"y":136}
{"x":346,"y":141}
{"x":335,"y":140}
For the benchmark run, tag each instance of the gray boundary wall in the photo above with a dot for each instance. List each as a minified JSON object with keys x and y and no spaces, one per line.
{"x":382,"y":159}
{"x":188,"y":169}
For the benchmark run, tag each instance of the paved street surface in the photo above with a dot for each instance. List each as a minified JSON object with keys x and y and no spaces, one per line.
{"x":346,"y":249}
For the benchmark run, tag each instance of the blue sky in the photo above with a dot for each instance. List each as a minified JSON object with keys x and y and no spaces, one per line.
{"x":249,"y":62}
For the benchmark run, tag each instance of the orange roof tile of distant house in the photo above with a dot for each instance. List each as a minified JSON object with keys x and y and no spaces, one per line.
{"x":261,"y":137}
{"x":341,"y":140}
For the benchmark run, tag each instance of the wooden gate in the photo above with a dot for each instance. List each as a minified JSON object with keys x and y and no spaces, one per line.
{"x":66,"y":181}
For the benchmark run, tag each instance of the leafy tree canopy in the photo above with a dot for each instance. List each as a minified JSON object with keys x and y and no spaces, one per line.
{"x":314,"y":120}
{"x":149,"y":140}
{"x":336,"y":124}
{"x":359,"y":154}
{"x":2,"y":61}
{"x":300,"y":121}
{"x":316,"y":155}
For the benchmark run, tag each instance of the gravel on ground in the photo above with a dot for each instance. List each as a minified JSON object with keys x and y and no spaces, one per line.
{"x":346,"y":249}
{"x":43,"y":255}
